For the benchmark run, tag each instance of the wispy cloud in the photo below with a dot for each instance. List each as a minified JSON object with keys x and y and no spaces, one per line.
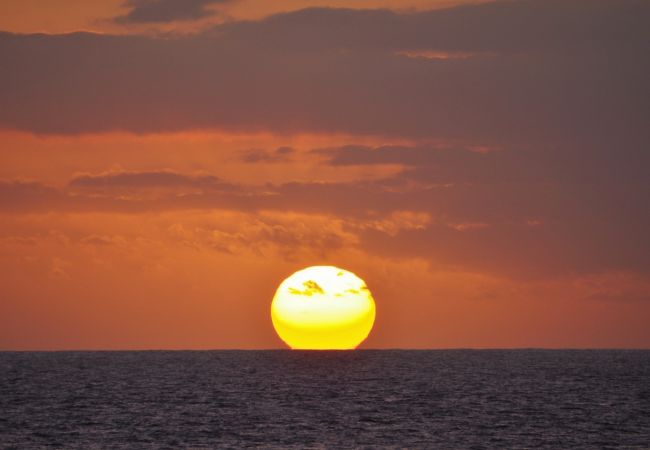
{"x":153,"y":179}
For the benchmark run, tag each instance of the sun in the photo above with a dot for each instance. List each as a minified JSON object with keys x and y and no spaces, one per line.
{"x":323,"y":308}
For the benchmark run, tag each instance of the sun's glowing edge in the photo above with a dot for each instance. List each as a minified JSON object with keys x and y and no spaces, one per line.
{"x":323,"y":308}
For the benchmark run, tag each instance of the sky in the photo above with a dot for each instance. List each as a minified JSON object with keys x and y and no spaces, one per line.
{"x":165,"y":164}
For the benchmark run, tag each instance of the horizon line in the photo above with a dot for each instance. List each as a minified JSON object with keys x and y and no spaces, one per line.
{"x":328,"y":350}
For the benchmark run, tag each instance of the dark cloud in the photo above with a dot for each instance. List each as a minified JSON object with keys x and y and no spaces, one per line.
{"x":552,"y":249}
{"x":530,"y":163}
{"x":624,"y":296}
{"x":23,"y":196}
{"x":514,"y":228}
{"x":29,"y":197}
{"x":311,"y":288}
{"x":280,"y":154}
{"x":148,"y":191}
{"x":546,"y":71}
{"x":508,"y":26}
{"x":556,"y":90}
{"x":156,"y":11}
{"x":154,"y":179}
{"x":531,"y":211}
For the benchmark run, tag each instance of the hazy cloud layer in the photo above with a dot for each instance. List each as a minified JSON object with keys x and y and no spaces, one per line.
{"x":543,"y":227}
{"x":544,"y":119}
{"x":157,"y":11}
{"x":544,"y":71}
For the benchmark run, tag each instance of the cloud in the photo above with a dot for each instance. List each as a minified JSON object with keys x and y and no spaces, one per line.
{"x":554,"y":71}
{"x":529,"y":163}
{"x":542,"y":112}
{"x":157,"y":11}
{"x":311,"y":288}
{"x":615,"y":287}
{"x":542,"y":228}
{"x":287,"y":235}
{"x":561,"y":249}
{"x":280,"y":154}
{"x":25,"y":196}
{"x":101,"y":240}
{"x":499,"y":26}
{"x":153,"y":179}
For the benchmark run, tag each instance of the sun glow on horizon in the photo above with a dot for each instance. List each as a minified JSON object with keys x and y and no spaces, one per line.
{"x":323,"y":308}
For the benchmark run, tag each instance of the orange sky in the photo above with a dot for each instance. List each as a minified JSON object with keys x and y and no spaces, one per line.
{"x":66,"y":16}
{"x":154,"y":191}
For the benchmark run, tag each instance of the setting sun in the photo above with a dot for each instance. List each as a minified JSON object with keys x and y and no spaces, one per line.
{"x":323,"y":308}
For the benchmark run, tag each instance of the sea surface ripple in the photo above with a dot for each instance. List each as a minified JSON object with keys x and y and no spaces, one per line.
{"x":299,"y":399}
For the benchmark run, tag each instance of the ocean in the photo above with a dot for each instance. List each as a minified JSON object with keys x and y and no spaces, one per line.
{"x":449,"y":399}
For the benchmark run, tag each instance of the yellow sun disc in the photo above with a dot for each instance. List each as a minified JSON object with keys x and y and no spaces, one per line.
{"x":323,"y":308}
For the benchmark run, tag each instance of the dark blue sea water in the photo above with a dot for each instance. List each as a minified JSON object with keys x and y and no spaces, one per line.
{"x":285,"y":399}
